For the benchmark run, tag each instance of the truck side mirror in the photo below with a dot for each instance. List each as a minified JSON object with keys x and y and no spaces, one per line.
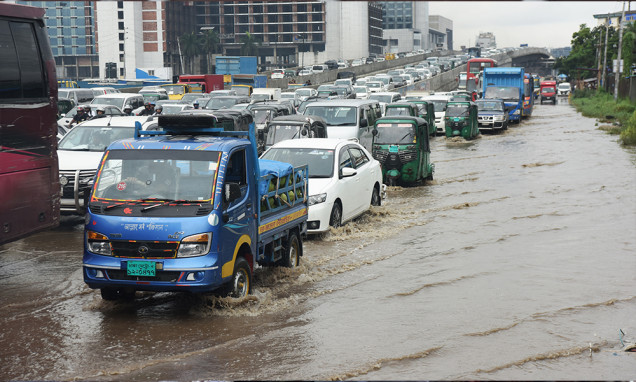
{"x":232,"y":192}
{"x":374,"y":132}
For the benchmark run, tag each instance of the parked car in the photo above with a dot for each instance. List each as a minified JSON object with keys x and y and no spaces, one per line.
{"x":278,"y":73}
{"x":344,"y":179}
{"x":491,"y":114}
{"x":80,"y":151}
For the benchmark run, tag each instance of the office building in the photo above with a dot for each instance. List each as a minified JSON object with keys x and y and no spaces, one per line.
{"x":406,"y":25}
{"x":440,"y":32}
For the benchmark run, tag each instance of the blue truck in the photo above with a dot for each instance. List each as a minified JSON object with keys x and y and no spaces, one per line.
{"x":236,"y":65}
{"x":506,"y":84}
{"x":189,"y":207}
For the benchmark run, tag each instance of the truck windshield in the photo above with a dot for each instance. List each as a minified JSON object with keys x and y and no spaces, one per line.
{"x":334,"y":115}
{"x":395,"y":133}
{"x":547,"y":90}
{"x":456,"y":110}
{"x":277,"y":133}
{"x":507,"y":93}
{"x":262,"y":116}
{"x":157,"y":174}
{"x":320,"y":161}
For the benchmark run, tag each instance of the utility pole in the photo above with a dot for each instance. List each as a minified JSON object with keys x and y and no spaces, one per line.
{"x":598,"y":56}
{"x":617,"y":75}
{"x":605,"y":54}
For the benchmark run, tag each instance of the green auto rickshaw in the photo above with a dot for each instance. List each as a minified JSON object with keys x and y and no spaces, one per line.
{"x":461,"y":119}
{"x":426,"y":110}
{"x":401,"y":145}
{"x":397,"y":109}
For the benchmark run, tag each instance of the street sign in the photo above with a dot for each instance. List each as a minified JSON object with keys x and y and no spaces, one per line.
{"x":618,"y":69}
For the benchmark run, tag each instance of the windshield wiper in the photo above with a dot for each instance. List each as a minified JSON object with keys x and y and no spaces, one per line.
{"x":342,"y":124}
{"x":163,"y":202}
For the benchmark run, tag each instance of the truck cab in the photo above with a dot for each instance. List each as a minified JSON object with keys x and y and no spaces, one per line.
{"x":190,"y":208}
{"x":548,"y":91}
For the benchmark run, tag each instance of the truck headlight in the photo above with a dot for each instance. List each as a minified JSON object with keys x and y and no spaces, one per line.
{"x":517,"y":112}
{"x":317,"y":199}
{"x":98,"y":243}
{"x":195,"y":245}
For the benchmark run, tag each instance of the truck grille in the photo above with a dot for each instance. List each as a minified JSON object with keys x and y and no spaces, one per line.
{"x":167,"y":276}
{"x":155,"y":249}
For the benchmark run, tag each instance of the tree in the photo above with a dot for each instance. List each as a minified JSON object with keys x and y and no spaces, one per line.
{"x":584,"y":50}
{"x":629,"y":45}
{"x":209,"y":43}
{"x":190,"y":47}
{"x":250,"y":45}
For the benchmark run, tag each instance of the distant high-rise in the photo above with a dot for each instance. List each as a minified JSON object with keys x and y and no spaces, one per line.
{"x":486,"y":40}
{"x":441,"y":32}
{"x":406,"y":25}
{"x":71,"y":29}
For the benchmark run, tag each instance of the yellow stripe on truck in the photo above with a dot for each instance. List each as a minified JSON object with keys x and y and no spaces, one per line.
{"x":228,"y":268}
{"x":280,"y":221}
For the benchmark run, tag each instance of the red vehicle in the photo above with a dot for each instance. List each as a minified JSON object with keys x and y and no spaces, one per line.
{"x":475,"y":67}
{"x":29,"y":180}
{"x":206,"y":82}
{"x":548,"y":91}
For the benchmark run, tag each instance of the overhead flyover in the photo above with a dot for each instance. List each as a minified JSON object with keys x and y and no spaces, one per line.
{"x":533,"y":60}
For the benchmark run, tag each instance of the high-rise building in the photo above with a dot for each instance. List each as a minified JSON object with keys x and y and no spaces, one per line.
{"x":486,"y":40}
{"x":441,"y":32}
{"x":295,"y":32}
{"x":71,"y":29}
{"x":405,"y":25}
{"x":140,"y":37}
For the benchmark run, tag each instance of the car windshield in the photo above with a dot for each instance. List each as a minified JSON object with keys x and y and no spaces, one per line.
{"x":94,"y":138}
{"x":220,"y":103}
{"x":171,"y":109}
{"x":384,"y":80}
{"x":396,"y":111}
{"x":174,"y":89}
{"x":386,"y":98}
{"x":319,"y":161}
{"x":506,"y":93}
{"x":262,"y":116}
{"x":360,"y":89}
{"x":64,"y":106}
{"x":158,"y":174}
{"x":151,"y":97}
{"x":115,"y":101}
{"x":395,"y":133}
{"x":439,"y":104}
{"x":281,"y":132}
{"x":457,"y":110}
{"x":373,"y":84}
{"x":324,"y":87}
{"x":304,"y":92}
{"x":334,"y":115}
{"x":187,"y":98}
{"x":489,"y":106}
{"x":342,"y":82}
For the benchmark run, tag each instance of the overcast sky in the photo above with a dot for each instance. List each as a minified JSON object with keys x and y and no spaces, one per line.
{"x":537,"y":23}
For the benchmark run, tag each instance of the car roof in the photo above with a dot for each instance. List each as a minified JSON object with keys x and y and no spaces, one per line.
{"x":123,"y":121}
{"x":313,"y":143}
{"x":118,"y":95}
{"x":343,"y":102}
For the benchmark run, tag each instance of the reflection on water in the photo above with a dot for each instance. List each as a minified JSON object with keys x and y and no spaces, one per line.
{"x":516,"y":262}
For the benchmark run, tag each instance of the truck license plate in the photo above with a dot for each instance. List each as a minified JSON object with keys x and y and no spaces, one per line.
{"x":140,"y":268}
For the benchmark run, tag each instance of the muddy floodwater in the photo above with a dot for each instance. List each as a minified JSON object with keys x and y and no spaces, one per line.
{"x":517,"y":262}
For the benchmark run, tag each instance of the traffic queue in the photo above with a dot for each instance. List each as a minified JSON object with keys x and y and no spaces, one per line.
{"x":324,"y":155}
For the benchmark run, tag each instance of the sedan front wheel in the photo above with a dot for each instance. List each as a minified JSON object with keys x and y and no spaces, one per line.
{"x":335,"y":220}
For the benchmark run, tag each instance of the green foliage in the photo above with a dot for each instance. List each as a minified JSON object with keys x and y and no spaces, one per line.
{"x":250,"y":45}
{"x":601,"y":105}
{"x":628,"y":136}
{"x":585,"y":43}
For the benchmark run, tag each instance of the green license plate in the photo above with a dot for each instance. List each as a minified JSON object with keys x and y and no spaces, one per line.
{"x":141,"y":268}
{"x":393,"y":149}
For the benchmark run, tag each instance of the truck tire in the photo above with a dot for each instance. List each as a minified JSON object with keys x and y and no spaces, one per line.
{"x":335,"y":219}
{"x":241,"y":283}
{"x":291,"y":258}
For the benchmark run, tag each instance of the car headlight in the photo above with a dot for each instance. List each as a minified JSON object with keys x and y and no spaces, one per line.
{"x":499,"y":117}
{"x":98,"y":243}
{"x":317,"y":199}
{"x":195,"y":245}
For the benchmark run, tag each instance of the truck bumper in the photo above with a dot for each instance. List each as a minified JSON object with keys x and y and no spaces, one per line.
{"x":196,"y":274}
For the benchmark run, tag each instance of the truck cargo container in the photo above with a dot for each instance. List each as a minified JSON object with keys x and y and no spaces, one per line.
{"x":202,"y":83}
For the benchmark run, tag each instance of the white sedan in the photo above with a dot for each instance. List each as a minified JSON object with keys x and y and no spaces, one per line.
{"x":344,"y":179}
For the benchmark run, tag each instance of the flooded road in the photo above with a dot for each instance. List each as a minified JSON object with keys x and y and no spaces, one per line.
{"x":516,"y":262}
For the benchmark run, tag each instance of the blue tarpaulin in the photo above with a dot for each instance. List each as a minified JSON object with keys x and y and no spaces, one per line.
{"x":271,"y":167}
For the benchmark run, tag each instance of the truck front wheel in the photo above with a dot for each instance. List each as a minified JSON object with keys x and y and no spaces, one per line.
{"x":291,"y":258}
{"x":241,"y":282}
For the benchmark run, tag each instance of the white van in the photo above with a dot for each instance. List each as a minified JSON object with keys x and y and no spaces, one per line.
{"x":347,"y":118}
{"x":266,"y":94}
{"x":439,"y":101}
{"x":80,"y":96}
{"x":318,"y":68}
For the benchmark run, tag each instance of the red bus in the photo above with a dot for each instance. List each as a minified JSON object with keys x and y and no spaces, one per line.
{"x":29,"y":182}
{"x":475,"y":66}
